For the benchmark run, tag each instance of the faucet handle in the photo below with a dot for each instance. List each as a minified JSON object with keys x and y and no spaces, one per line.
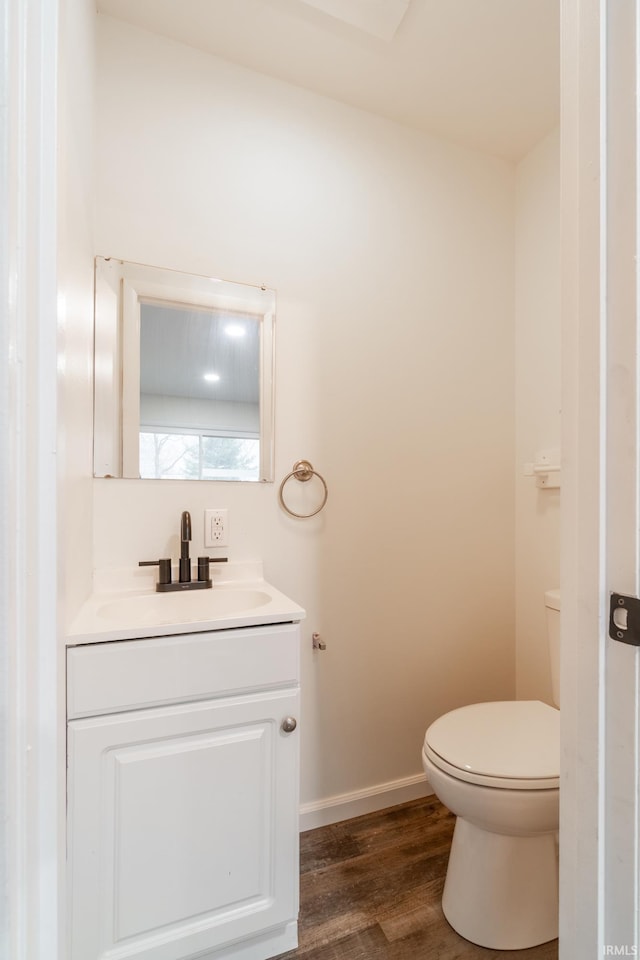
{"x":203,"y":566}
{"x":164,"y":574}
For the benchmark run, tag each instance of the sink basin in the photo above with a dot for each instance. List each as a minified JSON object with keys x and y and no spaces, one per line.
{"x":184,"y":607}
{"x":126,"y":614}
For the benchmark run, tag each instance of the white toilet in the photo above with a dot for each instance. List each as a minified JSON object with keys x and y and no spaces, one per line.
{"x":496,"y":766}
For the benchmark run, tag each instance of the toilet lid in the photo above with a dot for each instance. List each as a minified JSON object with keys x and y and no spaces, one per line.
{"x":515,"y":740}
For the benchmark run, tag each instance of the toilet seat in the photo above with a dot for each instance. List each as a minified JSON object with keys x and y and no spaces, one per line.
{"x":511,"y":745}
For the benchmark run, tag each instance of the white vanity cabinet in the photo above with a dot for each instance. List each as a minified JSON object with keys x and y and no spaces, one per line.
{"x":183,"y":763}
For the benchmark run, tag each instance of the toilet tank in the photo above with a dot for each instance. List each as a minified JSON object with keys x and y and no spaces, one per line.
{"x":552,"y":603}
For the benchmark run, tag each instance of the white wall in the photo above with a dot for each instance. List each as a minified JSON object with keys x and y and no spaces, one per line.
{"x":537,"y":357}
{"x":75,"y":303}
{"x":76,"y":96}
{"x":392,"y":257}
{"x":164,"y":410}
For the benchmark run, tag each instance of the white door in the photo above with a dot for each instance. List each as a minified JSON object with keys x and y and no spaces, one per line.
{"x":182,"y":827}
{"x":31,"y":660}
{"x":600,"y":798}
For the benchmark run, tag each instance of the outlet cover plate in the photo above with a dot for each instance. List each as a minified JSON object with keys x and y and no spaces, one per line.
{"x":216,"y":528}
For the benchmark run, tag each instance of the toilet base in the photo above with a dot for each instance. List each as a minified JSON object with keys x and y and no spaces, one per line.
{"x":502,"y":891}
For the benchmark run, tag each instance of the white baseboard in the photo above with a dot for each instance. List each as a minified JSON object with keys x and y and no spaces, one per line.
{"x":344,"y":806}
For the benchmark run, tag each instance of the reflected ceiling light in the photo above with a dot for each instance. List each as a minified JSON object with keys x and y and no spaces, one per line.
{"x":212,"y":377}
{"x":235,"y":330}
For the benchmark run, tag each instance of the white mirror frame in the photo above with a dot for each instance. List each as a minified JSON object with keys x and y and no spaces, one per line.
{"x":119,"y":288}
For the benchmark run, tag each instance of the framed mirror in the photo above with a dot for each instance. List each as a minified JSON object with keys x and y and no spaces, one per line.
{"x":183,"y":375}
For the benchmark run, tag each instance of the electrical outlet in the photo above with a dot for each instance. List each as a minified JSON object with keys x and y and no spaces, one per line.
{"x":216,"y":528}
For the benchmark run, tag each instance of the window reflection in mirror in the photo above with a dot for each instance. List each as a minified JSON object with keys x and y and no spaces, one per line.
{"x":183,"y":376}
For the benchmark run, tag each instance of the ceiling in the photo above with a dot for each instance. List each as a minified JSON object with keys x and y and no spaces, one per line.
{"x":485,"y":73}
{"x":181,"y":349}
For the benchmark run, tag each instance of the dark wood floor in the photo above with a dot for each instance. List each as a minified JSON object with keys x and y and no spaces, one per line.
{"x":370,"y":889}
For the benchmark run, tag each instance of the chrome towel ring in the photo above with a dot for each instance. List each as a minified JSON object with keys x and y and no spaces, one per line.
{"x":303,"y":471}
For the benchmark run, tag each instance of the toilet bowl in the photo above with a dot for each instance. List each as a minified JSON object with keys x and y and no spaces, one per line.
{"x":496,"y":766}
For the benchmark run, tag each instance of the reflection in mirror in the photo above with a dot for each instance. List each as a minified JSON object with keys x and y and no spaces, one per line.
{"x":199,"y":394}
{"x":183,"y":376}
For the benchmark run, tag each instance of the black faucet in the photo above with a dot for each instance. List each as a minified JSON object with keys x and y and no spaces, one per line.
{"x":185,"y":538}
{"x":185,"y":582}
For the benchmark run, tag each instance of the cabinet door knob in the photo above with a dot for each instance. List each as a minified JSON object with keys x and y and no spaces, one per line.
{"x":289,"y":724}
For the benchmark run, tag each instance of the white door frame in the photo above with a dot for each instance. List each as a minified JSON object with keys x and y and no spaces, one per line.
{"x":599,"y":882}
{"x":31,"y":732}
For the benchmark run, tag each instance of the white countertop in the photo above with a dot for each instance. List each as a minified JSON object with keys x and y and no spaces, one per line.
{"x":126,"y":606}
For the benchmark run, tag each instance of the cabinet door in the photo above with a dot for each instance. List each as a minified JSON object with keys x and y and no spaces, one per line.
{"x":183,"y":827}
